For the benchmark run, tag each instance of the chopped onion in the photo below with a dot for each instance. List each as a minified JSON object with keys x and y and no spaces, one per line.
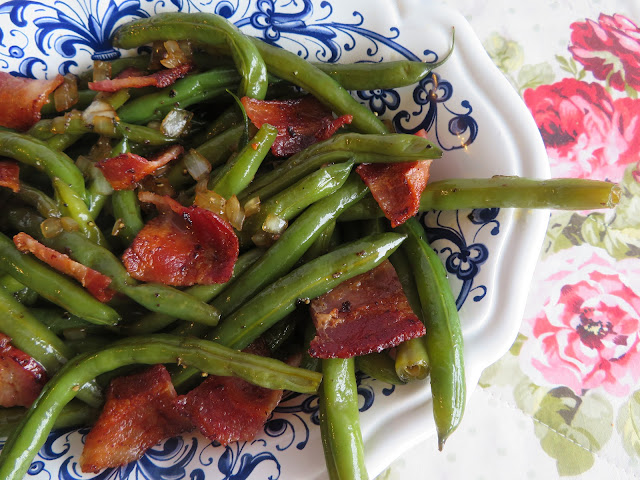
{"x":210,"y":200}
{"x":83,"y":163}
{"x":197,"y":166}
{"x":176,"y":122}
{"x":175,"y":56}
{"x":117,"y":226}
{"x":101,"y":70}
{"x":51,"y":227}
{"x":98,"y":108}
{"x":274,"y":224}
{"x":69,"y":224}
{"x":66,"y":95}
{"x":235,"y":213}
{"x":252,"y":206}
{"x":60,"y":124}
{"x":101,"y":149}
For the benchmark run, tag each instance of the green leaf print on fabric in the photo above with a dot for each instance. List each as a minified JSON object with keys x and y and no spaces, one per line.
{"x":509,"y":58}
{"x":570,"y":66}
{"x":628,"y":425}
{"x":564,"y":231}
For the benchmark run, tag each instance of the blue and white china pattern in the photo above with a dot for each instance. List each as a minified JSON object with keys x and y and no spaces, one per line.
{"x":42,"y":39}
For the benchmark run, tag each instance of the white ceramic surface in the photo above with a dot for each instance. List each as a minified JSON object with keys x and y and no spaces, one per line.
{"x":478,"y":119}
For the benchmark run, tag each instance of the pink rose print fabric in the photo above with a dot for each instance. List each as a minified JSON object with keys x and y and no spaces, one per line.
{"x":586,"y":132}
{"x":586,"y":333}
{"x":609,"y":48}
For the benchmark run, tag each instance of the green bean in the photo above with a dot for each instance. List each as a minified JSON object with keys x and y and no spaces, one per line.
{"x":239,"y":171}
{"x":444,"y":335}
{"x":33,"y":152}
{"x":307,"y":361}
{"x":43,"y":203}
{"x":153,"y":296}
{"x":340,"y":415}
{"x":187,"y":91}
{"x":60,"y":321}
{"x":412,"y":360}
{"x":77,"y":209}
{"x":397,"y":147}
{"x":126,"y":210}
{"x":295,"y":240}
{"x":125,"y":205}
{"x":209,"y":357}
{"x":135,"y":133}
{"x":36,"y":340}
{"x":216,"y":150}
{"x":381,"y":75}
{"x":201,"y":28}
{"x":322,"y":244}
{"x":63,"y":141}
{"x":117,"y":65}
{"x":56,"y":288}
{"x":379,"y":366}
{"x":10,"y":284}
{"x":155,"y":321}
{"x":229,"y":118}
{"x":293,"y":200}
{"x":306,"y":282}
{"x":74,"y":414}
{"x":505,"y":192}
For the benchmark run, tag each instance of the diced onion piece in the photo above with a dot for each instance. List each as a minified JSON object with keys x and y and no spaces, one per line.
{"x":274,"y":224}
{"x":101,"y":149}
{"x":66,"y":95}
{"x":211,"y":201}
{"x":98,"y":108}
{"x":69,"y":224}
{"x":101,"y":70}
{"x":60,"y":124}
{"x":103,"y":124}
{"x":197,"y":165}
{"x":235,"y":213}
{"x":176,"y":122}
{"x":175,"y":56}
{"x":51,"y":227}
{"x":117,"y":226}
{"x":252,"y":206}
{"x":83,"y":163}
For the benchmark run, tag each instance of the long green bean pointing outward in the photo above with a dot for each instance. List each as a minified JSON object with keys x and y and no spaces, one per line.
{"x":207,"y":356}
{"x":205,"y":29}
{"x":504,"y":192}
{"x":340,"y":418}
{"x":444,"y":334}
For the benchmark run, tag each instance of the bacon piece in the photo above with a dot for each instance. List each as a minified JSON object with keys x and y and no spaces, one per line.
{"x":22,"y":99}
{"x":160,"y":79}
{"x":300,"y":122}
{"x":397,"y":187}
{"x":10,"y":175}
{"x":127,"y":169}
{"x":365,"y":314}
{"x":95,"y":282}
{"x":21,"y":377}
{"x":140,"y":411}
{"x":230,"y":409}
{"x":182,"y":246}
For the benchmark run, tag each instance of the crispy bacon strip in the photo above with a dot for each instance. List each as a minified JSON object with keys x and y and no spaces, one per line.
{"x":21,"y":377}
{"x":22,"y":99}
{"x":140,"y":411}
{"x":365,"y":314}
{"x":300,"y":122}
{"x":126,"y":170}
{"x":182,"y":246}
{"x":95,"y":282}
{"x":397,"y":187}
{"x":160,"y":79}
{"x":10,"y":175}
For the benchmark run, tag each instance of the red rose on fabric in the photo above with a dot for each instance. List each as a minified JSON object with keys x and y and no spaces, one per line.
{"x":586,"y":132}
{"x":609,"y":48}
{"x":583,"y":322}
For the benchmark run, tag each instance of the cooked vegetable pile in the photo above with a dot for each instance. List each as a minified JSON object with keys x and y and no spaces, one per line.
{"x":188,"y":233}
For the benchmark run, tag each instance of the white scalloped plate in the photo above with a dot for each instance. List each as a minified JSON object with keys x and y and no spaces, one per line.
{"x":472,"y":112}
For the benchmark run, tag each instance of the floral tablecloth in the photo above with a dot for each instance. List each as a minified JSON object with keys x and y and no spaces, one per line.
{"x":565,"y":401}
